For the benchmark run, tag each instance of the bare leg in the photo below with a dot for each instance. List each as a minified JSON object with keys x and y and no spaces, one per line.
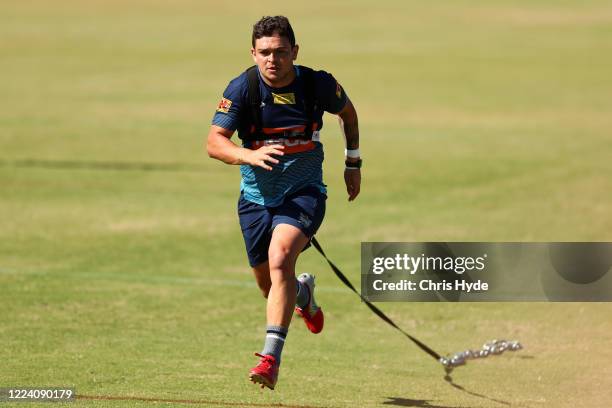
{"x":262,"y":277}
{"x":280,"y":286}
{"x":287,"y":243}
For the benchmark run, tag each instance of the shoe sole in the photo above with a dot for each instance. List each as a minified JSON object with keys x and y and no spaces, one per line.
{"x":260,"y":379}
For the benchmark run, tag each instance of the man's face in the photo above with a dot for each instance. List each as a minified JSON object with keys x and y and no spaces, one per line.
{"x":274,"y":56}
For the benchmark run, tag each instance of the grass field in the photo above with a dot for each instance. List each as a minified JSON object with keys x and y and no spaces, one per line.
{"x":122,"y":269}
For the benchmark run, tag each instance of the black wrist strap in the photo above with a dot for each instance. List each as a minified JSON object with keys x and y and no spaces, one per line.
{"x":353,"y":164}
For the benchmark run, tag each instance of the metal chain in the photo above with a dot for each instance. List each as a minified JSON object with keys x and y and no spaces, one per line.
{"x":493,"y":347}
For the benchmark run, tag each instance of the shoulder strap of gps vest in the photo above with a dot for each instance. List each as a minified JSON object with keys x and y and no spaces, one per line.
{"x":309,"y":98}
{"x":254,"y":103}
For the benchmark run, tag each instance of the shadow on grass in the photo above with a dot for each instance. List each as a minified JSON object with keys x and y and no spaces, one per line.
{"x":190,"y":401}
{"x":449,"y":379}
{"x":405,"y":402}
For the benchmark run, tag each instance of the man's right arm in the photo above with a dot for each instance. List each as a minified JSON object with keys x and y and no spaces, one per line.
{"x":220,"y":147}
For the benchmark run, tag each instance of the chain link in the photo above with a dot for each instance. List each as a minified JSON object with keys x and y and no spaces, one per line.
{"x":493,"y":347}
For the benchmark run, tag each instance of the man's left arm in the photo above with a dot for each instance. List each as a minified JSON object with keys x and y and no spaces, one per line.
{"x":336,"y":101}
{"x":349,"y":125}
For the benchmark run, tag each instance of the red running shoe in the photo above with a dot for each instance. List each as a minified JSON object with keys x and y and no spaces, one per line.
{"x":312,"y":314}
{"x":266,"y":372}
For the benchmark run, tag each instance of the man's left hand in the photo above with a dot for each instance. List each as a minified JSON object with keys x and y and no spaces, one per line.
{"x":352,"y":178}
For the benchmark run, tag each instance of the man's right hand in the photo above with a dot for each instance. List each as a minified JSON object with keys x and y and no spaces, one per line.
{"x":264,"y":155}
{"x":219,"y":146}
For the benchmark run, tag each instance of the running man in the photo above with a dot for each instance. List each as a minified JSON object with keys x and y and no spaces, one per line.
{"x":277,"y":108}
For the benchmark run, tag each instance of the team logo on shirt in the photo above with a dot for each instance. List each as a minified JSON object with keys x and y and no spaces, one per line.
{"x":284,"y":99}
{"x":338,"y":90}
{"x":224,"y":105}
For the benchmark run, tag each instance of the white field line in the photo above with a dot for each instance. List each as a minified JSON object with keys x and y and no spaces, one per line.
{"x":183,"y":280}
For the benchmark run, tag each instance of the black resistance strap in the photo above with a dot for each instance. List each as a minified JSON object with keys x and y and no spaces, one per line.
{"x":373,"y":308}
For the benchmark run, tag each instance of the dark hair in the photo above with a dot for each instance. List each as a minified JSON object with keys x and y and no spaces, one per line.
{"x":268,"y":26}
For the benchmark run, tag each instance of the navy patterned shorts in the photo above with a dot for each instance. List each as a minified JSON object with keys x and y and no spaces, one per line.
{"x":303,"y":209}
